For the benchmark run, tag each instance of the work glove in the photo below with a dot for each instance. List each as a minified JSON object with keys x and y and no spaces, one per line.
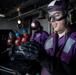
{"x":30,"y":50}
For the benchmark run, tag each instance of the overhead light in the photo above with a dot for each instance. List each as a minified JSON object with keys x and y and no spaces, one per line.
{"x":2,"y":15}
{"x":19,"y":21}
{"x":18,"y":9}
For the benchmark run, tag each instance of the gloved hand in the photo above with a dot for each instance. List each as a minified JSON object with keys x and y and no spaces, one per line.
{"x":30,"y":50}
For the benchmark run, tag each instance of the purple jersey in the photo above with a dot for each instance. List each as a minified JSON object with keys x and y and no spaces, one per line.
{"x":70,"y":45}
{"x":63,"y":48}
{"x":40,"y":37}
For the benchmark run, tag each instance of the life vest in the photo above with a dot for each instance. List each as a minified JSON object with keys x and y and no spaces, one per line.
{"x":18,"y":41}
{"x":67,"y":49}
{"x":10,"y":41}
{"x":40,"y":37}
{"x":25,"y":38}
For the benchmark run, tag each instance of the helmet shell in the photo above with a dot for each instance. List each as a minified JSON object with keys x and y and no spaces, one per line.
{"x":24,"y":31}
{"x":35,"y":24}
{"x":61,"y":5}
{"x":17,"y":34}
{"x":58,"y":4}
{"x":10,"y":33}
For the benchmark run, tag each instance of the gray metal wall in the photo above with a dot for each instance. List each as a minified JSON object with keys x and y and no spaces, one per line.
{"x":5,"y":24}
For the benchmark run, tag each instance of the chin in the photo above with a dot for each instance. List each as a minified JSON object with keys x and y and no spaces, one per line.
{"x":55,"y":30}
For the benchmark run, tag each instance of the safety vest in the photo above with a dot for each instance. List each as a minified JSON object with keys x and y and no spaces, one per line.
{"x":10,"y":41}
{"x":18,"y":41}
{"x":25,"y":38}
{"x":39,"y":37}
{"x":50,"y":47}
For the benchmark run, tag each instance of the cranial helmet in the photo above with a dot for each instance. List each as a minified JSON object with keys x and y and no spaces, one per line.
{"x":35,"y":25}
{"x":10,"y":33}
{"x":17,"y":34}
{"x":58,"y":5}
{"x":24,"y":31}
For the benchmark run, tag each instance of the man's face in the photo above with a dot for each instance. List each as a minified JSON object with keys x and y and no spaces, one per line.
{"x":35,"y":30}
{"x":58,"y":25}
{"x":24,"y":33}
{"x":10,"y":35}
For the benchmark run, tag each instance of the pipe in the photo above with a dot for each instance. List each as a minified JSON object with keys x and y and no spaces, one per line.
{"x":8,"y":70}
{"x":23,"y":5}
{"x":26,"y":13}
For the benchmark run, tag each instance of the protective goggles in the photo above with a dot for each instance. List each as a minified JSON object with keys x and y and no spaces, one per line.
{"x":57,"y":16}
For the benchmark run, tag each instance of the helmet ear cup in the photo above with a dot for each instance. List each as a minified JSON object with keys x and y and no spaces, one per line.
{"x":58,"y":4}
{"x":67,"y":21}
{"x":48,"y":18}
{"x":73,"y":17}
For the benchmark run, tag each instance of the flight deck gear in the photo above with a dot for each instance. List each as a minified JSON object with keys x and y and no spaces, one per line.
{"x":63,"y":51}
{"x":22,"y":64}
{"x":25,"y":38}
{"x":24,"y":31}
{"x":60,"y":53}
{"x":39,"y":37}
{"x":18,"y":39}
{"x":67,"y":48}
{"x":60,"y":5}
{"x":21,"y":52}
{"x":10,"y":39}
{"x":55,"y":16}
{"x":17,"y":34}
{"x":10,"y":33}
{"x":35,"y":25}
